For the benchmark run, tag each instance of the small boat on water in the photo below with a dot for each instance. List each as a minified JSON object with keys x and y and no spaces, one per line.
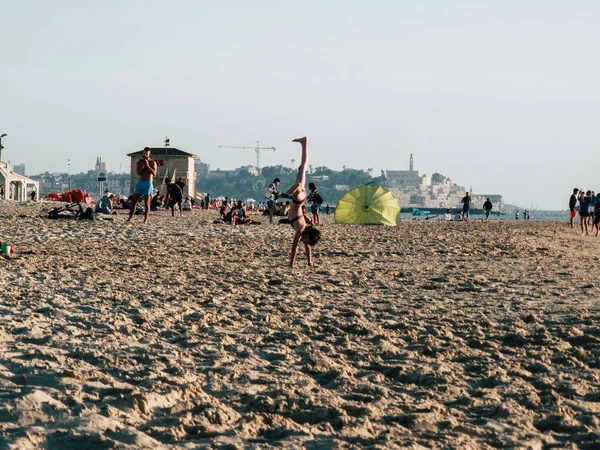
{"x":420,"y":212}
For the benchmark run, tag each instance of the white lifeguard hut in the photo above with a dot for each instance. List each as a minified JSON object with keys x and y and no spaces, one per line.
{"x":169,"y":160}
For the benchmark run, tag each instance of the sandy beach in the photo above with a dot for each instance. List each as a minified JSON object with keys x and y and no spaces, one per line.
{"x":185,"y":334}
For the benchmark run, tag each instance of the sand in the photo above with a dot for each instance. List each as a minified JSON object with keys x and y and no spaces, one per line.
{"x":185,"y":334}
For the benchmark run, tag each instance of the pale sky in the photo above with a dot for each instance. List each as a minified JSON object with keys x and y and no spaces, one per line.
{"x":503,"y":96}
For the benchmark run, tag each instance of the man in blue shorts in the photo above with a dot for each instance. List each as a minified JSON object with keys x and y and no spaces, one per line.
{"x":146,"y":169}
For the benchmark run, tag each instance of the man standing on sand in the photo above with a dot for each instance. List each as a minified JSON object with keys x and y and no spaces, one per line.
{"x":271,"y":195}
{"x":146,"y":169}
{"x":584,"y":214}
{"x":466,"y":201}
{"x":487,"y":207}
{"x":572,"y":204}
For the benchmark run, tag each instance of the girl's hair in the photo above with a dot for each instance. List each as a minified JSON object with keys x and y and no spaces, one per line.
{"x":312,"y":185}
{"x":313,"y":235}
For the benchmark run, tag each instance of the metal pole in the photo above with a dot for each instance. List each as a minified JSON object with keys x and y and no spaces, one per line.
{"x":69,"y":167}
{"x":258,"y":156}
{"x":1,"y":136}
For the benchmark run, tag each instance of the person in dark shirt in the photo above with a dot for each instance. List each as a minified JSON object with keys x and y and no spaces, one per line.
{"x":487,"y":207}
{"x":572,"y":204}
{"x":180,"y":183}
{"x":584,"y":205}
{"x":466,"y":201}
{"x":315,"y":199}
{"x":175,"y":196}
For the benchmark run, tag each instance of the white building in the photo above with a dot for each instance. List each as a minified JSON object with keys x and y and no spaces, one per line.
{"x":19,"y":168}
{"x":169,"y":160}
{"x":14,"y":186}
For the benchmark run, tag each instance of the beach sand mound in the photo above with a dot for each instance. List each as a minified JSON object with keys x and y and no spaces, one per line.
{"x":185,"y":334}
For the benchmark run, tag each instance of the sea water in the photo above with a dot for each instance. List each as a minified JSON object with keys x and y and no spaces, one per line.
{"x":538,"y":216}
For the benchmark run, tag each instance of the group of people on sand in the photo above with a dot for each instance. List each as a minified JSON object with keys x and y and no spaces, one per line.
{"x":304,"y":231}
{"x":235,"y":214}
{"x":147,"y":169}
{"x":463,"y":216}
{"x":587,"y":203}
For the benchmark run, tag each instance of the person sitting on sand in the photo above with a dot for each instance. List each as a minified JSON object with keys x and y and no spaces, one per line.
{"x":155,"y":202}
{"x":303,"y":232}
{"x":104,"y":205}
{"x":448,"y":216}
{"x":284,"y":210}
{"x":241,"y":215}
{"x":187,"y":204}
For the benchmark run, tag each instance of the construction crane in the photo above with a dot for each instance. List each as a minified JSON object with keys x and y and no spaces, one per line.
{"x":257,"y":149}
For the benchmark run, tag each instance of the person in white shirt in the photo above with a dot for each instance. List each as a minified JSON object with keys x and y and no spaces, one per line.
{"x":271,"y":195}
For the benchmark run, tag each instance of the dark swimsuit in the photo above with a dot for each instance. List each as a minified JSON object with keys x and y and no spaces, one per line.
{"x":297,"y":217}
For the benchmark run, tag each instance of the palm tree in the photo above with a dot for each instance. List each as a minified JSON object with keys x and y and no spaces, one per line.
{"x":370,"y":170}
{"x":311,"y":169}
{"x":293,"y":162}
{"x":343,"y":167}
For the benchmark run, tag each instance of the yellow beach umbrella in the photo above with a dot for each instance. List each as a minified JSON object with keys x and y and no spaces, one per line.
{"x":368,"y":205}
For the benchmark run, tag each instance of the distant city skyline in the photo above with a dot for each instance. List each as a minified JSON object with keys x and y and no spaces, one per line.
{"x":501,"y":96}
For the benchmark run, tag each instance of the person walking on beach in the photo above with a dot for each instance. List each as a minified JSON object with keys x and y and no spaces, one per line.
{"x":466,"y":201}
{"x":309,"y":235}
{"x":572,"y":204}
{"x":175,"y":197}
{"x":271,"y":196}
{"x":597,"y":214}
{"x":207,"y":201}
{"x":315,"y":198}
{"x":146,"y":169}
{"x":487,"y":207}
{"x":584,"y":214}
{"x":591,"y":208}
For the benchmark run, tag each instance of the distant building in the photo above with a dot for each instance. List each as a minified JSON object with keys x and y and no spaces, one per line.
{"x":420,"y":191}
{"x":202,"y":169}
{"x":251,"y":170}
{"x":169,"y":160}
{"x":15,"y":186}
{"x":19,"y":168}
{"x":220,"y":173}
{"x":403,"y":178}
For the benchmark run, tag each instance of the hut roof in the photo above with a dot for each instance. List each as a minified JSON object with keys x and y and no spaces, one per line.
{"x":164,"y":151}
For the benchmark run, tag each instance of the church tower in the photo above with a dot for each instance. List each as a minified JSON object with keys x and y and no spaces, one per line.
{"x":410,"y":166}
